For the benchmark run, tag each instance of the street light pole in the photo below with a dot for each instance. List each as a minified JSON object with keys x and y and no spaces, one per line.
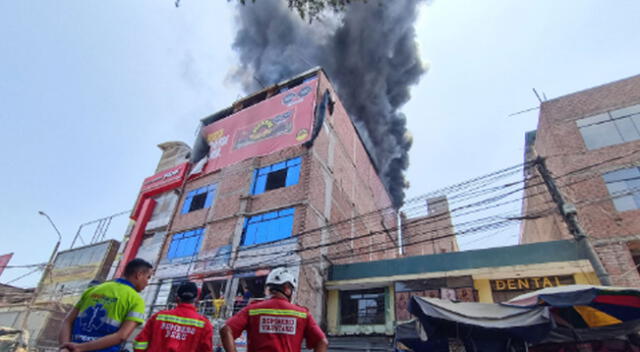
{"x":55,"y":249}
{"x":47,"y":269}
{"x":52,"y":224}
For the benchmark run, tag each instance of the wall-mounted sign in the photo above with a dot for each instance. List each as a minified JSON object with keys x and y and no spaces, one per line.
{"x":164,"y":180}
{"x":531,"y":283}
{"x":74,"y":269}
{"x":278,"y":122}
{"x":159,"y":183}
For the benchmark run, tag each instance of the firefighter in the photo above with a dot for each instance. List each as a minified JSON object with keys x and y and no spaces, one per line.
{"x":275,"y":325}
{"x":180,"y":329}
{"x":107,"y":313}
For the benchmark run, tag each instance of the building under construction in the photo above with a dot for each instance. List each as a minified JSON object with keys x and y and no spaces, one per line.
{"x":280,"y":178}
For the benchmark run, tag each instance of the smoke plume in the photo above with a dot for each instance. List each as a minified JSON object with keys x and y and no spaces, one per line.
{"x":368,"y":51}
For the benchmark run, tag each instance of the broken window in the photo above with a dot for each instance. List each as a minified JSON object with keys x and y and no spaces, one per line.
{"x":362,"y":307}
{"x":199,"y":199}
{"x":268,"y":227}
{"x":282,"y":174}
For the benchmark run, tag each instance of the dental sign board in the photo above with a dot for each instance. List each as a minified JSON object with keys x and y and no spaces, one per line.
{"x":281,"y":121}
{"x":531,"y":283}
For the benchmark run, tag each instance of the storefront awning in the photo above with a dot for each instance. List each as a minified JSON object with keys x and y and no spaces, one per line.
{"x":456,"y":319}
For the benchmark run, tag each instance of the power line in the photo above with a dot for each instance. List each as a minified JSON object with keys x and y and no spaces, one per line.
{"x":467,"y":190}
{"x":23,"y":276}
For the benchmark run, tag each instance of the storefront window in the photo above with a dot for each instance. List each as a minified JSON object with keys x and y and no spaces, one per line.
{"x":362,"y":307}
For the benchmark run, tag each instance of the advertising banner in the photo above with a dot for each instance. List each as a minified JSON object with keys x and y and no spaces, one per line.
{"x":74,"y":269}
{"x":4,"y":261}
{"x":281,"y":121}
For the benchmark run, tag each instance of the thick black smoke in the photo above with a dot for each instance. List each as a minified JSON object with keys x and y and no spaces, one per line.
{"x":370,"y":54}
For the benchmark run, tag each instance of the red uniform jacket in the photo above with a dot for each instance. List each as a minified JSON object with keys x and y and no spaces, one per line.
{"x":275,"y":325}
{"x":180,"y":329}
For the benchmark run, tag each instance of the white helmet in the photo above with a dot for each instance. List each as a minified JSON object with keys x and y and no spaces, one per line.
{"x":281,"y":276}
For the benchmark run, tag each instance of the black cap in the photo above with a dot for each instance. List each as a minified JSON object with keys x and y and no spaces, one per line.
{"x":187,"y":291}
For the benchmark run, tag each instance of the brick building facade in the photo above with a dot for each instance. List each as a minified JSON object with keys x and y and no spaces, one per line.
{"x":591,"y":143}
{"x":306,"y":205}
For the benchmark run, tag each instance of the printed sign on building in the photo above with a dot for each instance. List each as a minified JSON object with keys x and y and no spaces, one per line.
{"x":164,"y":180}
{"x":505,"y":289}
{"x":281,"y":121}
{"x":531,"y":283}
{"x":75,"y":269}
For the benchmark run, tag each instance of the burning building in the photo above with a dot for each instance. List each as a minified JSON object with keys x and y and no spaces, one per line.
{"x":280,"y":178}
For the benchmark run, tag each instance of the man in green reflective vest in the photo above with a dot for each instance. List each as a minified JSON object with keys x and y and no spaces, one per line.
{"x":107,"y":313}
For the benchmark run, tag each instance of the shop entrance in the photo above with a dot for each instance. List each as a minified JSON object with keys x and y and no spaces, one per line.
{"x":249,"y":288}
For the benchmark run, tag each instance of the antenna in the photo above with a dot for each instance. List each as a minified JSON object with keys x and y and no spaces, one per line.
{"x":537,"y":95}
{"x":534,"y":108}
{"x":523,"y":111}
{"x":262,"y":86}
{"x":303,"y":59}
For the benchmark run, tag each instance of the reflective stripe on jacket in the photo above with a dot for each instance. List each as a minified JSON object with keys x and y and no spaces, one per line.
{"x":179,"y":329}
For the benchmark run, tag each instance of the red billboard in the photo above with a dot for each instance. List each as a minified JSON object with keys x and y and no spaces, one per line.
{"x":4,"y":261}
{"x":281,"y":121}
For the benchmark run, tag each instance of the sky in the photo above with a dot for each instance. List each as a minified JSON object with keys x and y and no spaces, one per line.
{"x":88,"y":90}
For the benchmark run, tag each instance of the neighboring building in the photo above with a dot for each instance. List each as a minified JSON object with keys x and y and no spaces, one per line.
{"x":431,"y":233}
{"x":74,"y":270}
{"x":71,"y":273}
{"x":591,"y":143}
{"x":279,"y":178}
{"x":12,"y":294}
{"x":366,"y":301}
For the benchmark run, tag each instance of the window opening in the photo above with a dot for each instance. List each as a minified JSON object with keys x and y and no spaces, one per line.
{"x":279,"y":175}
{"x":197,"y":202}
{"x":249,"y":289}
{"x":200,"y":198}
{"x":212,"y":300}
{"x":362,"y":307}
{"x":276,"y":179}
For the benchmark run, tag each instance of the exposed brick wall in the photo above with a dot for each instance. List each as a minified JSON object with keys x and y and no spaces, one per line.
{"x":578,"y":173}
{"x":338,"y":185}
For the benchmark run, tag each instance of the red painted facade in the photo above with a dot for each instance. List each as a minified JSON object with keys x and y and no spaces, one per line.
{"x":146,"y":209}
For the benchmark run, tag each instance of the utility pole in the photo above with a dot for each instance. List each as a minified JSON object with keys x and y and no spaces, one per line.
{"x":570,"y":216}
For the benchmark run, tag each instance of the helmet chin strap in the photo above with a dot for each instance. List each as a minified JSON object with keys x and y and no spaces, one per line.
{"x":279,"y":289}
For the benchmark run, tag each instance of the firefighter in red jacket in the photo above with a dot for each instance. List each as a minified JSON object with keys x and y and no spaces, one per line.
{"x":180,"y":329}
{"x":275,"y":325}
